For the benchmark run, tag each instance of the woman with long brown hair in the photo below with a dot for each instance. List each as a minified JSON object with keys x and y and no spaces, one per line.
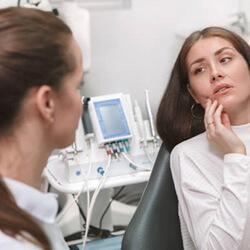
{"x":204,"y":120}
{"x":40,"y":73}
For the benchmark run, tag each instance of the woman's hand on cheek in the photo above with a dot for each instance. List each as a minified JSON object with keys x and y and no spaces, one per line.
{"x":219,"y":131}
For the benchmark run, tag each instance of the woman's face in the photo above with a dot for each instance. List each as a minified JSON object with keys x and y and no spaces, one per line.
{"x":68,"y":102}
{"x":217,"y":70}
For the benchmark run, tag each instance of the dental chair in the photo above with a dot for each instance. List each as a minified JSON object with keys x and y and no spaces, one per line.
{"x":155,"y":224}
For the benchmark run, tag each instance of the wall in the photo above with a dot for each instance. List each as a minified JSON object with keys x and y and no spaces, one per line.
{"x":134,"y":49}
{"x":244,"y":5}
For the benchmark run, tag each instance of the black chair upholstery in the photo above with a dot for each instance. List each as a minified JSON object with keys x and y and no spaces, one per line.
{"x":155,"y":224}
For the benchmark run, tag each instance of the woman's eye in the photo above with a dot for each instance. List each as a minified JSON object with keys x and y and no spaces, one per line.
{"x":198,"y":70}
{"x":225,"y":59}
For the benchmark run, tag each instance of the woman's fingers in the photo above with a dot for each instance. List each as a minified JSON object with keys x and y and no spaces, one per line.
{"x":215,"y":128}
{"x":209,"y":112}
{"x":217,"y":116}
{"x":208,"y":119}
{"x":208,"y":105}
{"x":218,"y":129}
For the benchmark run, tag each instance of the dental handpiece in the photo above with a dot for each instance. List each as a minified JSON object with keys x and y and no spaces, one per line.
{"x":150,"y":116}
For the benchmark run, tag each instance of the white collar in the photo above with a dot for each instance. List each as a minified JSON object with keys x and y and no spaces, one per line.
{"x":42,"y":206}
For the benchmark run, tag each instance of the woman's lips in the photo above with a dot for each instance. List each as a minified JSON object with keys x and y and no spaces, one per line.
{"x":222,"y":92}
{"x":222,"y":89}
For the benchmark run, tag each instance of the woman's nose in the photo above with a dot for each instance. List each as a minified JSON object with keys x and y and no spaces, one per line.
{"x":216,"y":77}
{"x":216,"y":74}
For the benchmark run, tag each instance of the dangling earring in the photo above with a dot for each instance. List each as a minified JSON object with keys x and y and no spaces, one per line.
{"x":193,"y":114}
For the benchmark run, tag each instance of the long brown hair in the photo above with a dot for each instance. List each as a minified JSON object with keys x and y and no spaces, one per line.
{"x":33,"y":51}
{"x":175,"y":122}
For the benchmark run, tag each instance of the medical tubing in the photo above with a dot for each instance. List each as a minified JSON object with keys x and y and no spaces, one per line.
{"x":92,"y":203}
{"x":87,"y":186}
{"x":135,"y":165}
{"x":90,"y":156}
{"x":89,"y":171}
{"x":78,"y":194}
{"x":88,"y":174}
{"x":85,"y":183}
{"x":95,"y":196}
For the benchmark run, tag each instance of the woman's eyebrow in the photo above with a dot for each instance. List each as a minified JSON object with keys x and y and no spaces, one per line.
{"x":197,"y":61}
{"x":221,"y":50}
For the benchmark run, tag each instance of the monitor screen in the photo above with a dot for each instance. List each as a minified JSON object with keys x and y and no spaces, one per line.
{"x":112,"y":119}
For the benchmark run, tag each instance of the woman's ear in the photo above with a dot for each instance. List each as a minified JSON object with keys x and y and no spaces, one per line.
{"x":191,"y":92}
{"x":45,"y":103}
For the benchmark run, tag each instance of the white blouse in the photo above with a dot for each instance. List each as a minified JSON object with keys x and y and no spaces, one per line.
{"x":43,"y":207}
{"x":214,"y":193}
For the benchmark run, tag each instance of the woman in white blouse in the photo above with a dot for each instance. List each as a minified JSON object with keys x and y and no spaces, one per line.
{"x":40,"y":73}
{"x":204,"y":116}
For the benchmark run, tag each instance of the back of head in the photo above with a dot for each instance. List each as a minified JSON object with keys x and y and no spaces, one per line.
{"x":175,"y":122}
{"x":33,"y":51}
